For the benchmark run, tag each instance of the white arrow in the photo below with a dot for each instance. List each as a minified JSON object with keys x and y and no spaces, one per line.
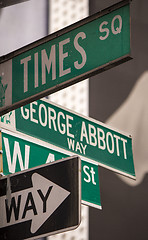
{"x":36,"y":203}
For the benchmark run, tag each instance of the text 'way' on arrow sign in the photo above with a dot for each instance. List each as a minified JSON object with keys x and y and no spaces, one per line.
{"x":41,"y":201}
{"x":42,"y":190}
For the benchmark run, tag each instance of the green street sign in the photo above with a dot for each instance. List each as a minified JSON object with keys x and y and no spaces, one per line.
{"x":20,"y":152}
{"x":70,"y":55}
{"x":92,"y":140}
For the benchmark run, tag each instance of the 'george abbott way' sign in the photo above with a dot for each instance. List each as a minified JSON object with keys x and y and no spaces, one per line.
{"x":72,"y":54}
{"x":41,"y":201}
{"x":92,"y":140}
{"x":20,"y":152}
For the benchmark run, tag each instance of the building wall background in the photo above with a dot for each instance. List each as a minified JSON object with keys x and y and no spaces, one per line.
{"x":119,"y":98}
{"x":75,"y":97}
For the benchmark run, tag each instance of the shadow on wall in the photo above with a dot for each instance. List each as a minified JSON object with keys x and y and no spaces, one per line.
{"x":132,"y":117}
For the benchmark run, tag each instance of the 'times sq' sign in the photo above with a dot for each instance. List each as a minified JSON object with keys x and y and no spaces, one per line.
{"x":88,"y":47}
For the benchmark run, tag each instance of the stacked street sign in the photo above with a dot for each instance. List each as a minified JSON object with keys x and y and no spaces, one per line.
{"x":67,"y":133}
{"x":44,"y":132}
{"x":21,"y":152}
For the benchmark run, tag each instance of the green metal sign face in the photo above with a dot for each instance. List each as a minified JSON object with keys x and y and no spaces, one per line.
{"x":22,"y":152}
{"x":86,"y":48}
{"x":91,"y":139}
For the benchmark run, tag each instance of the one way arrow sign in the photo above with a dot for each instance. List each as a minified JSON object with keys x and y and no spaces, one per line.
{"x":42,"y":201}
{"x":36,"y":203}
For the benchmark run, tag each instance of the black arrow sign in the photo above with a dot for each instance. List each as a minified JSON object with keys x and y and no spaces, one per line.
{"x":42,"y":201}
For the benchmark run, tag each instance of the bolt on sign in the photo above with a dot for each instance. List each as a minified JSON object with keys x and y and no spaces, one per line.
{"x":72,"y":54}
{"x":41,"y":201}
{"x":20,"y":152}
{"x":92,"y":140}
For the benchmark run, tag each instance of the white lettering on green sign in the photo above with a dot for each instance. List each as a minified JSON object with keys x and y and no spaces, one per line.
{"x":49,"y":63}
{"x":115,"y":30}
{"x":63,"y":123}
{"x":20,"y":153}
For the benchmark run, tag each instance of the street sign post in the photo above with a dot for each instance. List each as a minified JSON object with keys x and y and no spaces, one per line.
{"x":72,"y":54}
{"x":41,"y":201}
{"x":21,"y":152}
{"x":94,"y":141}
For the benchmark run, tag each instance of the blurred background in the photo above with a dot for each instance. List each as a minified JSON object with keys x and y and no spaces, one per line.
{"x":117,"y":97}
